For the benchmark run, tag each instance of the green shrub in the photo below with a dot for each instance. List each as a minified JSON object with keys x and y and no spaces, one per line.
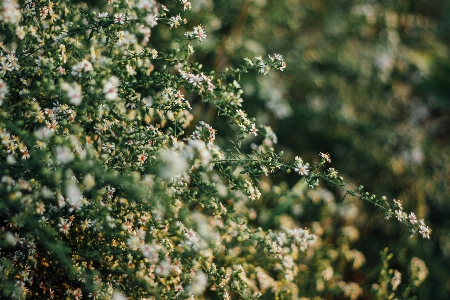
{"x":112,"y":186}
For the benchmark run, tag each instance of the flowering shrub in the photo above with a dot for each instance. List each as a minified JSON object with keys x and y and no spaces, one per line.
{"x":113,"y":187}
{"x":367,"y":82}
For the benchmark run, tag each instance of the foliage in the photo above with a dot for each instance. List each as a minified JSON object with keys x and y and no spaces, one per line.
{"x":367,"y":81}
{"x":114,"y":186}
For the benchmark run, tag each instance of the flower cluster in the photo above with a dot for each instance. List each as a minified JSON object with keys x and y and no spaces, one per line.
{"x":10,"y":12}
{"x":276,"y":62}
{"x":198,"y":33}
{"x":403,"y":217}
{"x":8,"y":63}
{"x":300,"y":167}
{"x":245,"y":124}
{"x":391,"y":279}
{"x":198,"y":81}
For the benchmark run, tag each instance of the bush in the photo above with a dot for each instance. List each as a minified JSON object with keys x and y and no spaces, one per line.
{"x":115,"y":187}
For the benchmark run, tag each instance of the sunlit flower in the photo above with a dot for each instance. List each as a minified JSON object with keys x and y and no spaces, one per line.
{"x":302,"y":169}
{"x":119,"y":18}
{"x":326,"y":156}
{"x":64,"y":226}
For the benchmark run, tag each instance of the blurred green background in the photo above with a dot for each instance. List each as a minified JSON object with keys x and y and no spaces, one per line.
{"x":366,"y":81}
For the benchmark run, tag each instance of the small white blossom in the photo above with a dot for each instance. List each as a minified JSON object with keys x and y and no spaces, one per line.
{"x":110,"y":88}
{"x":186,"y":4}
{"x":74,"y":196}
{"x":73,"y":91}
{"x":64,"y":154}
{"x":119,"y":18}
{"x":326,"y":156}
{"x":152,"y":20}
{"x":412,"y":218}
{"x":133,"y":242}
{"x":175,"y":21}
{"x":398,"y":203}
{"x":64,"y":226}
{"x":302,"y":169}
{"x":198,"y":283}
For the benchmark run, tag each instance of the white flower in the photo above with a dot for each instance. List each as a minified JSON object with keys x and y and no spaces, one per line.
{"x":151,"y":20}
{"x":130,"y":70}
{"x":110,"y":88}
{"x":75,"y":196}
{"x":148,"y":101}
{"x":133,"y":242}
{"x":192,"y":239}
{"x":401,"y":216}
{"x":87,"y":66}
{"x":61,"y":70}
{"x":64,"y":154}
{"x":73,"y":92}
{"x":118,"y":296}
{"x":20,"y":32}
{"x":398,"y":203}
{"x":154,"y":53}
{"x":412,"y":218}
{"x":61,"y":201}
{"x":302,"y":169}
{"x":11,"y":239}
{"x":163,"y":268}
{"x":119,"y":18}
{"x":175,"y":21}
{"x":326,"y":156}
{"x":5,"y":66}
{"x":148,"y":250}
{"x":425,"y":231}
{"x":254,"y":130}
{"x":186,"y":4}
{"x":199,"y":33}
{"x":198,"y":283}
{"x":174,"y":164}
{"x":64,"y":226}
{"x":148,"y":5}
{"x":248,"y":61}
{"x":88,"y":181}
{"x":43,"y":133}
{"x":141,"y":158}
